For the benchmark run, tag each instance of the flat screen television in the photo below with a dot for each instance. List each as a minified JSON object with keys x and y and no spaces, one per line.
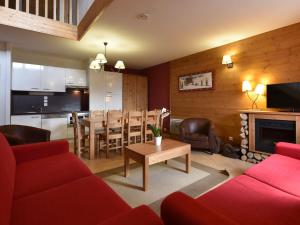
{"x":284,"y":96}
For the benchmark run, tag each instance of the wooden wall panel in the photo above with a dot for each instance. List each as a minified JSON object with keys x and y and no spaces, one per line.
{"x":272,"y":57}
{"x":141,"y":93}
{"x":135,"y":92}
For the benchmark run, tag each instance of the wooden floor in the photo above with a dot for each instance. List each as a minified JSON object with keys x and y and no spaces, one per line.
{"x":235,"y":167}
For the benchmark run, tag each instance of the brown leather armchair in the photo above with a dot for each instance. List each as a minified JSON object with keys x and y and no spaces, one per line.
{"x":18,"y":134}
{"x":199,"y":132}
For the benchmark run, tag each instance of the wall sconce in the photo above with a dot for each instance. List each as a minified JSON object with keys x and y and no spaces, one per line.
{"x":258,"y":91}
{"x":227,"y":61}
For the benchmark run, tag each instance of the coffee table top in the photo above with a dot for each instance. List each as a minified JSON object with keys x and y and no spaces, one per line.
{"x":150,"y":148}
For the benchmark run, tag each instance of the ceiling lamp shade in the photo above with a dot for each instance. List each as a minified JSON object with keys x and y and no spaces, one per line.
{"x":260,"y":89}
{"x":246,"y":86}
{"x":120,"y":65}
{"x":100,"y":58}
{"x":95,"y":65}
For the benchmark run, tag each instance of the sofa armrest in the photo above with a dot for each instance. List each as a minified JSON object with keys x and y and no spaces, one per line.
{"x":288,"y":149}
{"x":180,"y":209}
{"x":34,"y":151}
{"x":142,"y":215}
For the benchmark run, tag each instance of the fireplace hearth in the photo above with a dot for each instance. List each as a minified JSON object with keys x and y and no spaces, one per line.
{"x":268,"y":132}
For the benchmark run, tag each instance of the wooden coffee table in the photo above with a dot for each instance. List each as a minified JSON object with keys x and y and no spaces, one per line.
{"x":148,"y":154}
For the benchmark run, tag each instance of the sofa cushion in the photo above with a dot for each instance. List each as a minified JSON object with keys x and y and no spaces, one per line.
{"x":249,"y":201}
{"x":41,"y":174}
{"x":7,"y":180}
{"x":84,"y":201}
{"x":278,"y":171}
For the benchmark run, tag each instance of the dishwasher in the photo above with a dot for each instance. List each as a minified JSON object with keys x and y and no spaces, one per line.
{"x":57,"y":124}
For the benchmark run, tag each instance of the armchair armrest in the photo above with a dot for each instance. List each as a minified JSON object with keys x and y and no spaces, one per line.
{"x":30,"y":152}
{"x":139,"y":216}
{"x":288,"y":149}
{"x":180,"y":209}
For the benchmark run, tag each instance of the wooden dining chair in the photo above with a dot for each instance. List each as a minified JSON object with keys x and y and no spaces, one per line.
{"x":114,"y":134}
{"x":151,"y":118}
{"x":135,"y":127}
{"x":79,"y":137}
{"x":100,"y":131}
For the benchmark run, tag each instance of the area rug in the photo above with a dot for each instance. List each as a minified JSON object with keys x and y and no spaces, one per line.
{"x":164,"y":179}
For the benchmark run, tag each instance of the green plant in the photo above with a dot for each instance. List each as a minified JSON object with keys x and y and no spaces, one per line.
{"x":156,"y":131}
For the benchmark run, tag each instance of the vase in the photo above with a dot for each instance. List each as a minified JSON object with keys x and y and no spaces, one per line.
{"x":157,"y":140}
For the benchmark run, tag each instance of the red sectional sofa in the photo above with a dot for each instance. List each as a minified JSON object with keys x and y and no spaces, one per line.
{"x":44,"y":184}
{"x":266,"y":194}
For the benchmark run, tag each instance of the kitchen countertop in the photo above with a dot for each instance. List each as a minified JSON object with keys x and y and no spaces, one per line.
{"x":46,"y":113}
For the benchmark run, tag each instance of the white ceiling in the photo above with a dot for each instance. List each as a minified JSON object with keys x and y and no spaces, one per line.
{"x":174,"y":29}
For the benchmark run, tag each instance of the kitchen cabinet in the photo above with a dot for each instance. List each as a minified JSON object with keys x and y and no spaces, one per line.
{"x":105,"y":90}
{"x":57,"y":124}
{"x":27,"y":120}
{"x":113,"y":82}
{"x":135,"y":92}
{"x":53,"y":79}
{"x":76,"y":78}
{"x":113,"y":102}
{"x":26,"y":77}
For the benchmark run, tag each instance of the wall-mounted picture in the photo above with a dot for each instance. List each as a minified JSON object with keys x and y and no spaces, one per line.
{"x":196,"y":81}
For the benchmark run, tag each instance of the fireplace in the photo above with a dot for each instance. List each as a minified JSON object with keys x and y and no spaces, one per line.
{"x":268,"y":132}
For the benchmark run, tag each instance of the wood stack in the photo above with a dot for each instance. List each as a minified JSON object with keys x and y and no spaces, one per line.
{"x":248,"y":156}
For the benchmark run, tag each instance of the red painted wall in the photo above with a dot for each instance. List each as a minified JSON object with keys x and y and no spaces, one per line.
{"x":159,"y":88}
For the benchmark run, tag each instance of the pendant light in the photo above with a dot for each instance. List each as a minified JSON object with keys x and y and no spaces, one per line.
{"x":100,"y":60}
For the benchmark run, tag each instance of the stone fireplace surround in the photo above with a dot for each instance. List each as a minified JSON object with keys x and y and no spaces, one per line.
{"x":248,"y":117}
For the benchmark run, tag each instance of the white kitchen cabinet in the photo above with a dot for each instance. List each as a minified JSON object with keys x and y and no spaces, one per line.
{"x":75,"y":77}
{"x":114,"y":82}
{"x":53,"y":79}
{"x":27,"y":120}
{"x":26,"y":77}
{"x":97,"y":90}
{"x":113,"y":102}
{"x":57,"y":125}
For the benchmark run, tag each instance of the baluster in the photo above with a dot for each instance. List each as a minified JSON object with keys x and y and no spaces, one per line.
{"x":66,"y":11}
{"x":37,"y":7}
{"x":54,"y":9}
{"x":46,"y":8}
{"x":18,"y":5}
{"x":70,"y":12}
{"x":6,"y":3}
{"x":27,"y":6}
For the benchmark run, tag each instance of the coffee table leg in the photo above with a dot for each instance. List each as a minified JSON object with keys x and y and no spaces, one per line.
{"x":188,"y":163}
{"x":145,"y":175}
{"x":126,"y":164}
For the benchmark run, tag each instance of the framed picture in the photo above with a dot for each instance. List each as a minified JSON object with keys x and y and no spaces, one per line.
{"x":196,"y":81}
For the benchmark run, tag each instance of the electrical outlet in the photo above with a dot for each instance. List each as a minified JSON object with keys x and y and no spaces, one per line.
{"x":230,"y":138}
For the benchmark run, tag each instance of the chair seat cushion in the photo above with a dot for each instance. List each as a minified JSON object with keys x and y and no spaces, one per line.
{"x":197,"y":137}
{"x":249,"y":201}
{"x":86,"y":201}
{"x":278,"y":171}
{"x":41,"y":174}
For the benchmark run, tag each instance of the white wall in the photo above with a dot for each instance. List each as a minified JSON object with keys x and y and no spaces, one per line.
{"x":5,"y":83}
{"x":25,"y":56}
{"x":83,"y":6}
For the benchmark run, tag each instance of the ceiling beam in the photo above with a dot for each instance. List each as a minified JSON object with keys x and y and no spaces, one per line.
{"x":26,"y":21}
{"x":93,"y":13}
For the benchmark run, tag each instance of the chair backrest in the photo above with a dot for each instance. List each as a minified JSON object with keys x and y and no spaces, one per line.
{"x":97,"y":114}
{"x":7,"y":180}
{"x":115,"y":119}
{"x":135,"y":126}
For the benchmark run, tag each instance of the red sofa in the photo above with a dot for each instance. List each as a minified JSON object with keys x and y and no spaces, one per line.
{"x":44,"y":184}
{"x":266,"y":194}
